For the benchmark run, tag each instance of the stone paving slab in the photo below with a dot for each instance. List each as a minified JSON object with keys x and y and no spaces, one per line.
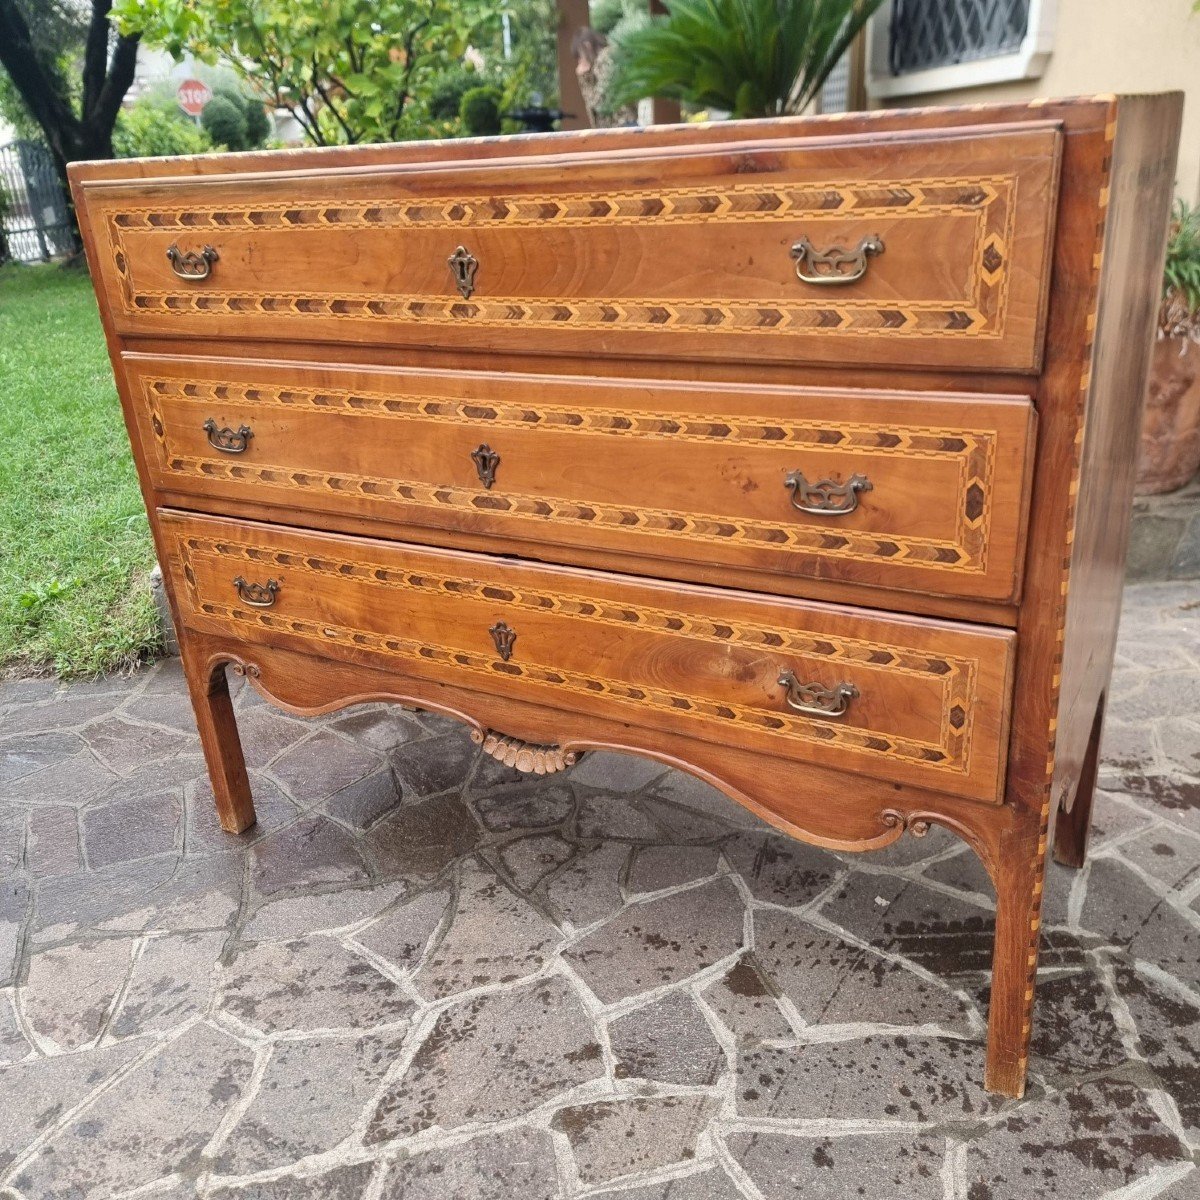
{"x":422,"y":975}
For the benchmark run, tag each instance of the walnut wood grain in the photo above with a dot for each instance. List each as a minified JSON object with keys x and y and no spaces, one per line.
{"x":1064,"y":322}
{"x":932,"y":698}
{"x":679,"y":254}
{"x":679,"y":472}
{"x":792,"y":796}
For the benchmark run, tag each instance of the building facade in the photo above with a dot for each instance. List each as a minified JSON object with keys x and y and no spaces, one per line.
{"x":932,"y":52}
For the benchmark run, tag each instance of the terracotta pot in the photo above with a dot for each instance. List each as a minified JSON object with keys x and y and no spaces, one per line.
{"x":1170,"y":453}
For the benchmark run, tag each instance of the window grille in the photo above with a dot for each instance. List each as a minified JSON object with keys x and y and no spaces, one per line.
{"x":940,"y":33}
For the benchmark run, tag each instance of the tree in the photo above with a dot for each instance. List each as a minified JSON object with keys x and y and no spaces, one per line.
{"x":480,"y":111}
{"x":35,"y":38}
{"x":155,"y":126}
{"x":752,"y":58}
{"x":255,"y":125}
{"x":347,"y":69}
{"x":259,"y":126}
{"x":225,"y":123}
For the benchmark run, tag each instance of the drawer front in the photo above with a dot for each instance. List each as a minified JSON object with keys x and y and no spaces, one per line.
{"x":903,"y":699}
{"x":923,"y":249}
{"x":898,"y":490}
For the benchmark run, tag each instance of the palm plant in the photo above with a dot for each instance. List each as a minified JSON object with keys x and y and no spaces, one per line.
{"x":752,"y":58}
{"x":1179,"y":313}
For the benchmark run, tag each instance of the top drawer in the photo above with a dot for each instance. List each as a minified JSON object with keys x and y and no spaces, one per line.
{"x":926,"y":250}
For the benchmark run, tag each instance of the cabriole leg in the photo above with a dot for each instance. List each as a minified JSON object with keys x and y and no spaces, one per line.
{"x":220,"y":740}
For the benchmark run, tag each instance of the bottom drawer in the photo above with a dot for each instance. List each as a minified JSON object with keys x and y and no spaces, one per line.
{"x":899,"y":698}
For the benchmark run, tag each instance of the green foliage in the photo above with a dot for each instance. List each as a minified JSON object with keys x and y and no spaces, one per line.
{"x":447,"y":90}
{"x":74,"y":582}
{"x":45,"y":592}
{"x":1180,"y":313}
{"x":259,"y":126}
{"x":154,"y":128}
{"x":753,"y":58}
{"x":58,"y":28}
{"x":607,"y":14}
{"x":254,"y":127}
{"x":225,"y":122}
{"x":14,"y":112}
{"x":480,"y":112}
{"x":530,"y":76}
{"x":347,"y":69}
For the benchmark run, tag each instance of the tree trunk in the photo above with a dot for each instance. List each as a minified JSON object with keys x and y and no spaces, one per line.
{"x":105,"y":81}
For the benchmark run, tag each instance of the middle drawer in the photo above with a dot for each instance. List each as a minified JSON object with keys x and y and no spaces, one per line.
{"x":920,"y":491}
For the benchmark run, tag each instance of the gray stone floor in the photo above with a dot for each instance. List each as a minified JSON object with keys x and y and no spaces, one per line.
{"x":422,"y":975}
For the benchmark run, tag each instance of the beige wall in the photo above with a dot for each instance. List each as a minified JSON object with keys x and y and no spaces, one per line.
{"x":1112,"y":46}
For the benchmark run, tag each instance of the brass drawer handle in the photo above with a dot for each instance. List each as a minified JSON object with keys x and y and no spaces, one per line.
{"x":504,"y":638}
{"x":826,"y":497}
{"x":814,"y":700}
{"x":463,"y":265}
{"x":257,"y":595}
{"x":835,"y":265}
{"x":486,"y":461}
{"x":194,"y":265}
{"x":228,"y":441}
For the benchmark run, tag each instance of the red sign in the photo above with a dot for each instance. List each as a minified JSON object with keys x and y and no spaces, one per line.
{"x":193,"y":96}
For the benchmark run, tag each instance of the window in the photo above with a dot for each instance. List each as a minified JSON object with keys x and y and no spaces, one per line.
{"x":934,"y":45}
{"x":939,"y":33}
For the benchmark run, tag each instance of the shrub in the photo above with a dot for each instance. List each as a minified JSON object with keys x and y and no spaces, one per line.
{"x":1179,"y":314}
{"x":752,"y":58}
{"x":480,"y":112}
{"x":154,"y":128}
{"x":607,"y":14}
{"x":259,"y":126}
{"x":448,"y":90}
{"x":225,"y":122}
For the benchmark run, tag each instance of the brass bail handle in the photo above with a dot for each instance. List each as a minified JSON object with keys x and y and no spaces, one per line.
{"x":227,"y":440}
{"x":826,"y":497}
{"x":814,"y":699}
{"x":257,"y":595}
{"x":834,"y":266}
{"x":192,"y":265}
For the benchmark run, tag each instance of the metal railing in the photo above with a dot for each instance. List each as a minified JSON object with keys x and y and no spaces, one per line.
{"x":37,"y":224}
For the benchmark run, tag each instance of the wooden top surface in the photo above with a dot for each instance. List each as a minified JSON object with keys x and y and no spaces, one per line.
{"x":1082,"y":112}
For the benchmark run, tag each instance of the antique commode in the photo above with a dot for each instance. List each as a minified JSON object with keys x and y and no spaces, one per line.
{"x":797,"y":454}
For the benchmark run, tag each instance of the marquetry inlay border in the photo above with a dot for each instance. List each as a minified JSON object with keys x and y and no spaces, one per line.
{"x":980,"y":313}
{"x":972,"y":451}
{"x":954,"y":677}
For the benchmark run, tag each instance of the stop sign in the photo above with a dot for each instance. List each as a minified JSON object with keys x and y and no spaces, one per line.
{"x":193,"y":96}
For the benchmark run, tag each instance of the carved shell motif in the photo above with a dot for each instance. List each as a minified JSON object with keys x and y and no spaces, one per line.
{"x":525,"y":756}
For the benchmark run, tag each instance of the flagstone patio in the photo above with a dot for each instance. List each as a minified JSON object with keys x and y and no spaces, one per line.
{"x":423,"y":975}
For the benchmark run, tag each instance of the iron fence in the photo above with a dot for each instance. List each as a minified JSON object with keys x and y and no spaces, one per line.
{"x":939,"y":33}
{"x":37,"y":223}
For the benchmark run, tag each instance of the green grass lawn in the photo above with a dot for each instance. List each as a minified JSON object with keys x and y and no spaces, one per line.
{"x":75,"y":549}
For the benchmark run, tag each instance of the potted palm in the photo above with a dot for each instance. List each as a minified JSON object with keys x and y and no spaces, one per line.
{"x":1170,"y":450}
{"x":750,"y":58}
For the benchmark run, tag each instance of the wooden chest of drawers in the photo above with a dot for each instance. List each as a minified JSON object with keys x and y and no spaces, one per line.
{"x":797,"y":454}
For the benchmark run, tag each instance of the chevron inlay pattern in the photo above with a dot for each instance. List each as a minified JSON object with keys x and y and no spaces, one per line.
{"x":955,"y":678}
{"x":972,"y":451}
{"x":977,"y":311}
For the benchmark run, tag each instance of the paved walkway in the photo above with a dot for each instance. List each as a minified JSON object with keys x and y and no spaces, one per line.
{"x":422,"y":975}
